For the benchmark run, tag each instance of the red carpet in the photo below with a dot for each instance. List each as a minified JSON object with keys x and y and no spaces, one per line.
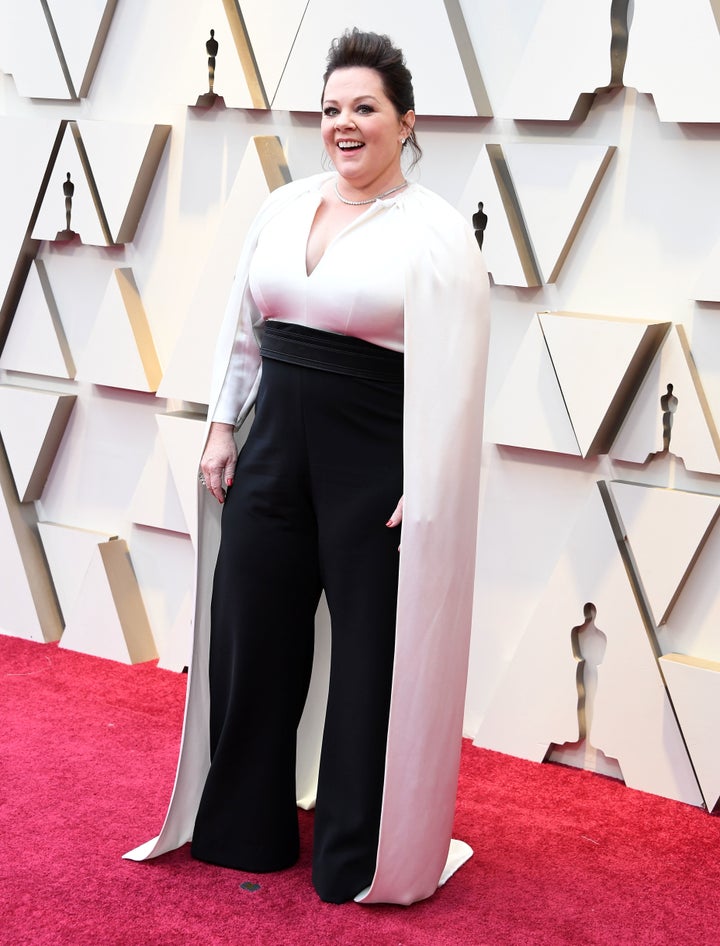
{"x":87,"y":751}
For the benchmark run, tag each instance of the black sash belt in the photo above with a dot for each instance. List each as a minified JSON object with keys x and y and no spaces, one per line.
{"x":326,"y":351}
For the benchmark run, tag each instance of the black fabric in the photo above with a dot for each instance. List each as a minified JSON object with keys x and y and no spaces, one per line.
{"x":318,"y":477}
{"x":327,"y":351}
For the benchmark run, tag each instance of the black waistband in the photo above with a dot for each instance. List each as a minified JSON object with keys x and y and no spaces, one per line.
{"x":326,"y":351}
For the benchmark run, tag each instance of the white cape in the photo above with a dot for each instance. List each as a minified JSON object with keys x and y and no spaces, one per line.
{"x":446,"y":338}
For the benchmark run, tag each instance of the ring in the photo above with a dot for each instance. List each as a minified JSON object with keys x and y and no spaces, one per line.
{"x":201,"y":478}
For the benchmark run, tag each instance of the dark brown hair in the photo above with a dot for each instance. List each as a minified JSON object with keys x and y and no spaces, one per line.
{"x":375,"y":51}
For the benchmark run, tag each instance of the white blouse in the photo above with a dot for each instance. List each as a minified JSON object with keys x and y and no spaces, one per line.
{"x":357,"y":288}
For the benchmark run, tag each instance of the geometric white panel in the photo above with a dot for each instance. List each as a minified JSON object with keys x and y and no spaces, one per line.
{"x":164,"y":563}
{"x":426,"y":41}
{"x":27,"y":607}
{"x":27,"y":51}
{"x":188,"y":374}
{"x":230,"y":81}
{"x":500,"y":250}
{"x":108,"y":618}
{"x":69,"y":551}
{"x":81,"y":27}
{"x":25,"y":168}
{"x":183,"y":436}
{"x":120,"y":351}
{"x":674,"y":54}
{"x":535,"y":196}
{"x":84,"y":219}
{"x":32,"y":424}
{"x":666,"y":530}
{"x":555,"y":184}
{"x":156,"y":502}
{"x":36,"y":343}
{"x":595,"y":360}
{"x":272,"y":39}
{"x":530,"y":411}
{"x":693,"y":435}
{"x":564,"y":58}
{"x":536,"y":702}
{"x":694,"y":686}
{"x":124,"y":158}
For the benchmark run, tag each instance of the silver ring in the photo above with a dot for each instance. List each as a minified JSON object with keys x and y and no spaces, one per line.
{"x":201,"y":478}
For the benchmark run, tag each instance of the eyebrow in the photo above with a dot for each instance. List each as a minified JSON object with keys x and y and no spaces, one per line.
{"x":358,"y":98}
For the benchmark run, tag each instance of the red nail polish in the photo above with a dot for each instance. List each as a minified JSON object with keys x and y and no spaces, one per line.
{"x":229,"y":482}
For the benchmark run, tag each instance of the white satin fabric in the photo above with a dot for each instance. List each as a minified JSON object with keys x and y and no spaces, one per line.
{"x":357,"y":287}
{"x":446,"y":329}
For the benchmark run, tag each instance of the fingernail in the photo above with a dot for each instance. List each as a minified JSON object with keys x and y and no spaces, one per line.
{"x":229,"y":482}
{"x":389,"y":522}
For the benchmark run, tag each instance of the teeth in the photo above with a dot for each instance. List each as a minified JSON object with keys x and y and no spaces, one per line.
{"x":349,"y":145}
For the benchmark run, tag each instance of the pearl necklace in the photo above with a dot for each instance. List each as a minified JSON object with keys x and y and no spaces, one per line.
{"x":370,"y":200}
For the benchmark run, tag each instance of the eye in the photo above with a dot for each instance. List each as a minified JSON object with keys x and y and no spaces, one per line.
{"x":365,"y":109}
{"x":330,"y":110}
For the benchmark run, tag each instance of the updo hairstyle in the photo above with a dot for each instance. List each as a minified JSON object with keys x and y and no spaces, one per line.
{"x":375,"y":51}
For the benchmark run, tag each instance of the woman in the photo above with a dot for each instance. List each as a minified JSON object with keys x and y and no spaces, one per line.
{"x":342,"y":273}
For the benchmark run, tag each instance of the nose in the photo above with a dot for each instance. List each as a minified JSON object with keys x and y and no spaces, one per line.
{"x":344,"y":118}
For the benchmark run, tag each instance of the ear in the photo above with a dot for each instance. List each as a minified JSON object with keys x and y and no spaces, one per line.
{"x":407,"y":123}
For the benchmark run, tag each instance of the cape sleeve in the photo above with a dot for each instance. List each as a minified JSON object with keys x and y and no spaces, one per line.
{"x":235,"y":380}
{"x":446,"y":342}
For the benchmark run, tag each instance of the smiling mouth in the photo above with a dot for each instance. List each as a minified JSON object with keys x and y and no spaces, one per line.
{"x":350,"y":145}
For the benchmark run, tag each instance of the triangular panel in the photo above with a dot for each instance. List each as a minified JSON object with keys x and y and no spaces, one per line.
{"x":506,"y":253}
{"x":120,"y":352}
{"x":529,"y":411}
{"x":69,"y":551}
{"x":694,"y":687}
{"x":81,"y":27}
{"x":687,"y":429}
{"x":52,"y":220}
{"x":36,"y":343}
{"x":272,"y":39}
{"x":536,"y":704}
{"x":426,"y":41}
{"x":565,"y":58}
{"x":32,"y":424}
{"x":230,"y":79}
{"x":25,"y":167}
{"x":18,"y":616}
{"x":555,"y":184}
{"x":599,"y":363}
{"x":164,"y":563}
{"x":124,"y":159}
{"x":109,"y":618}
{"x":156,"y":502}
{"x":188,"y":374}
{"x":183,"y":437}
{"x":666,"y":530}
{"x":28,"y":607}
{"x":29,"y":52}
{"x":676,"y":58}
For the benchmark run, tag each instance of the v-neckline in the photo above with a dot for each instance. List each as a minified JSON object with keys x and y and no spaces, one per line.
{"x":309,"y":274}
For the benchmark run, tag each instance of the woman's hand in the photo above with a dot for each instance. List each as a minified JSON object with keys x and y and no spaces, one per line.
{"x":218,"y":460}
{"x":397,"y":515}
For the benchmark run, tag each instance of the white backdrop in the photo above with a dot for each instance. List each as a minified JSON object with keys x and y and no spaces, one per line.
{"x":617,"y":191}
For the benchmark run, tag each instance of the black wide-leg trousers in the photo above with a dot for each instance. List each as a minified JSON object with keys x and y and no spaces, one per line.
{"x":316,"y":481}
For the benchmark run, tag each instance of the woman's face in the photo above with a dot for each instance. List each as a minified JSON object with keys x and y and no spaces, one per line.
{"x":361,"y":131}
